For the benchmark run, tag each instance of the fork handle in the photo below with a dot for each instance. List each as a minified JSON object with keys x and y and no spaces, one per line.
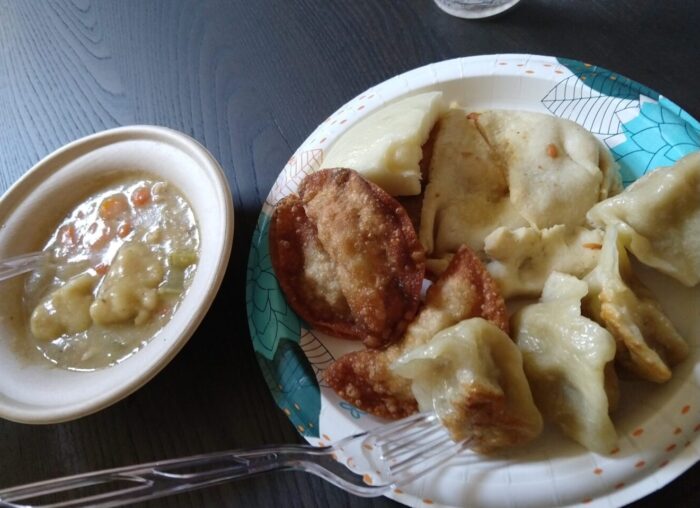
{"x":140,"y":482}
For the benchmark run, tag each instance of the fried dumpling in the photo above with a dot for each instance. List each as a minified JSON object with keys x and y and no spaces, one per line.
{"x":523,"y":258}
{"x":347,"y":257}
{"x":648,"y":344}
{"x":363,"y":378}
{"x":542,"y":153}
{"x":467,"y":194}
{"x":472,"y":375}
{"x":567,"y":360}
{"x":306,"y":272}
{"x":660,"y":213}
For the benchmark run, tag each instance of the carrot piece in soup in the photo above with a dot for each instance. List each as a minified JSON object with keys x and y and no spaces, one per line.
{"x":113,"y":206}
{"x":102,"y":269}
{"x":124,"y":229}
{"x":141,"y":196}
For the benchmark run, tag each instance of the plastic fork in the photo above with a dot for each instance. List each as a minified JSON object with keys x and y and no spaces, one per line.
{"x":24,"y":263}
{"x":18,"y":265}
{"x":377,"y":461}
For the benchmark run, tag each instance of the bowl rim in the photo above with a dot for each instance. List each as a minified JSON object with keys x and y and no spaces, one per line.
{"x":53,"y":162}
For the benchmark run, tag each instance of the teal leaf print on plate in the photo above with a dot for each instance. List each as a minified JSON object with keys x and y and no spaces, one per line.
{"x":643,"y":129}
{"x":318,"y":355}
{"x":354,"y":412}
{"x":661,"y":134}
{"x":594,"y":97}
{"x":276,"y":331}
{"x":606,"y":82}
{"x":293,"y":385}
{"x":270,"y":319}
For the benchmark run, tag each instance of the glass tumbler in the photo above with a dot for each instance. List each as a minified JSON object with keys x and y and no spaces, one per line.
{"x":472,"y":9}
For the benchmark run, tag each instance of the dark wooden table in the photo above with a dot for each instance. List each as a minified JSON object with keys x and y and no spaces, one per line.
{"x":250,"y":80}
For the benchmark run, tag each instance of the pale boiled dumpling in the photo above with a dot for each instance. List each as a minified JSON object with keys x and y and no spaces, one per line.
{"x":467,"y":195}
{"x":567,"y":360}
{"x":472,"y":375}
{"x":647,"y":342}
{"x":557,"y":170}
{"x":660,"y":213}
{"x":508,"y":169}
{"x":65,"y":310}
{"x":129,"y":291}
{"x":523,"y":258}
{"x":387,"y":146}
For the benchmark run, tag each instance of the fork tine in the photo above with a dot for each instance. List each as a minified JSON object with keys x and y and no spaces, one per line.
{"x":408,"y":434}
{"x":400,"y":425}
{"x":410,"y":471}
{"x":422,"y":450}
{"x":411,"y":439}
{"x":424,"y":453}
{"x":414,"y":447}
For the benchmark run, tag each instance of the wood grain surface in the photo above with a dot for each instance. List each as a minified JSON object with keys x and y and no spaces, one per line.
{"x":250,"y":79}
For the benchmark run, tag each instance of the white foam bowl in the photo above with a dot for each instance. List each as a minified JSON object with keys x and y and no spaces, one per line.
{"x":35,"y":391}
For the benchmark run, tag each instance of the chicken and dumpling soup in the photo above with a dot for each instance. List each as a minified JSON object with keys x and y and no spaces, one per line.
{"x":118,"y":265}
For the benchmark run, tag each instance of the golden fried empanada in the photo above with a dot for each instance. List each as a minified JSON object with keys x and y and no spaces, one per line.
{"x":347,"y":257}
{"x":379,"y":262}
{"x":306,"y":272}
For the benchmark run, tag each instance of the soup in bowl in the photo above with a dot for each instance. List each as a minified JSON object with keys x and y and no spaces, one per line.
{"x":136,"y":224}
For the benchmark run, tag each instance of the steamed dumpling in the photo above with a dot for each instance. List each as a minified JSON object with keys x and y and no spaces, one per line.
{"x":509,"y":169}
{"x":647,"y":342}
{"x":557,"y":170}
{"x":660,"y":213}
{"x":472,"y":375}
{"x":387,"y":146}
{"x":567,"y":360}
{"x":523,"y":258}
{"x":467,"y":196}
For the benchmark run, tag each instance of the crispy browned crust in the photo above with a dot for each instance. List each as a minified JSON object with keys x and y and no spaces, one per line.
{"x":364,"y":379}
{"x":483,"y":415}
{"x":467,"y":290}
{"x":464,"y":290}
{"x":293,"y":241}
{"x":369,"y":237}
{"x":648,"y":344}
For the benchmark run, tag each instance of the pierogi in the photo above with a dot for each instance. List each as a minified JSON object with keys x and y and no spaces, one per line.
{"x":509,"y":169}
{"x":648,"y":344}
{"x":471,"y":375}
{"x":522,"y":259}
{"x":660,"y":214}
{"x":467,"y":196}
{"x":567,"y":360}
{"x":557,"y":170}
{"x":386,"y":147}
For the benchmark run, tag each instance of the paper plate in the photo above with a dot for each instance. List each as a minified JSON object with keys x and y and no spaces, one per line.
{"x":658,"y":426}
